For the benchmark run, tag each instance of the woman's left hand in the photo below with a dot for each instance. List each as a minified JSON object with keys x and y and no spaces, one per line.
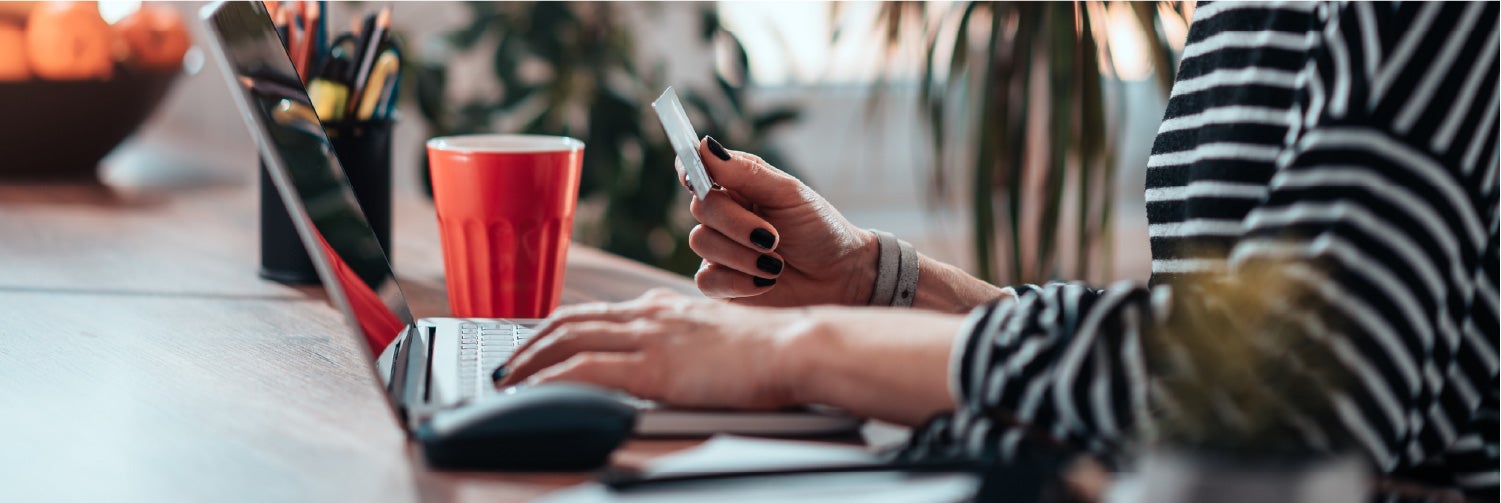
{"x":665,"y":347}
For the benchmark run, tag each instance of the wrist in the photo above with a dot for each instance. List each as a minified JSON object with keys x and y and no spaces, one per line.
{"x":943,"y":287}
{"x":799,"y":349}
{"x":866,"y":261}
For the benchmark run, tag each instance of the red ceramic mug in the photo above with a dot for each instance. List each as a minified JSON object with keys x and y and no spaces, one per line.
{"x":505,"y":214}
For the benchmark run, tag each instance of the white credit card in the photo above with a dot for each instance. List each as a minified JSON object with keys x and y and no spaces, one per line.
{"x":684,"y":142}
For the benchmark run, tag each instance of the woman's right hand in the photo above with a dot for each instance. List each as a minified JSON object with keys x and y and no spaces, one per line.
{"x":768,"y":240}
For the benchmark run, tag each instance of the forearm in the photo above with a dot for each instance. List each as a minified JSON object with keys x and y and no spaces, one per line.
{"x":943,"y":287}
{"x":891,"y":365}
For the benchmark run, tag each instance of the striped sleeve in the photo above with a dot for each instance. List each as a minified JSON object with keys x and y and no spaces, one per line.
{"x":1367,"y":273}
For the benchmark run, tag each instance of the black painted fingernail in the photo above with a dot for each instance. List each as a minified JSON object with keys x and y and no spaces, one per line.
{"x":717,"y":149}
{"x":760,"y":281}
{"x":763,"y":238}
{"x":769,"y":264}
{"x":500,"y":373}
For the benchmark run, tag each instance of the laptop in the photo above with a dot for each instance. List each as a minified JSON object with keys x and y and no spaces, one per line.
{"x":427,"y":365}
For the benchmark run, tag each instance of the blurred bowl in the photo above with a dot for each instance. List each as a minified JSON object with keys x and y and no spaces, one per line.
{"x":60,"y":129}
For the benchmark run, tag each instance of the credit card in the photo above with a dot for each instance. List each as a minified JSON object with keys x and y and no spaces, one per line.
{"x":684,"y":142}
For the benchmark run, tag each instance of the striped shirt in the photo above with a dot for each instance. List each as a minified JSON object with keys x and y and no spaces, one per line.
{"x":1345,"y":154}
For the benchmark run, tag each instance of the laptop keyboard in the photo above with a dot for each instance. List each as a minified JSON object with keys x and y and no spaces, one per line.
{"x":482,"y":347}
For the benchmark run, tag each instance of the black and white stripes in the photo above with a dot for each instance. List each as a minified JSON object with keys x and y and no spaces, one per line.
{"x":1348,"y":149}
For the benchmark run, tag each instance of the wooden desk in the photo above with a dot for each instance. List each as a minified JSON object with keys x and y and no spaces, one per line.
{"x":141,"y":358}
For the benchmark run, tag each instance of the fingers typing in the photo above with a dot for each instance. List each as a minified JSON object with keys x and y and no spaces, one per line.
{"x":622,"y":371}
{"x":565,"y":341}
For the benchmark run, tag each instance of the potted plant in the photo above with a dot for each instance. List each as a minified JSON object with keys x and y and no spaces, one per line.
{"x":1022,"y":109}
{"x":571,"y":68}
{"x":1245,"y":406}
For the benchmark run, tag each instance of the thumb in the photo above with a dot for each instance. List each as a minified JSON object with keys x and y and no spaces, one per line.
{"x":749,"y":176}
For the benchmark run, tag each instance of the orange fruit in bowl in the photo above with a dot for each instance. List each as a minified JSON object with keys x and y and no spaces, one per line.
{"x":68,"y":40}
{"x":13,"y":65}
{"x":156,"y":37}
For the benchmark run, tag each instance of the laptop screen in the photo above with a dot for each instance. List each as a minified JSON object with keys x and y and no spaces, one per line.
{"x":295,"y":149}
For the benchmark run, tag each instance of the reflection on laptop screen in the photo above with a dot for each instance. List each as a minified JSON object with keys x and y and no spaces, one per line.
{"x":280,"y":107}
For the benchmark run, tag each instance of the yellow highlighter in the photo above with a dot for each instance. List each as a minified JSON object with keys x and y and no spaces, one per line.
{"x":329,"y":98}
{"x":383,"y":75}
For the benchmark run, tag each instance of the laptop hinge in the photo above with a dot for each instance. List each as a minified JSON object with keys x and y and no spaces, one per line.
{"x":404,"y":377}
{"x":427,"y":374}
{"x":414,"y":383}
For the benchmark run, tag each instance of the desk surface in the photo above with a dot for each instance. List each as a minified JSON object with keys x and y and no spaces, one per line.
{"x":141,"y":358}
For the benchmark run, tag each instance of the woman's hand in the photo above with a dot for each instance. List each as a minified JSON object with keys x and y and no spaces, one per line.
{"x":665,"y":347}
{"x":886,"y":364}
{"x":769,"y":240}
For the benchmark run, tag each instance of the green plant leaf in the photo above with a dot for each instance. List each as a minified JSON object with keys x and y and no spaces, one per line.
{"x":466,"y":37}
{"x":693,"y":101}
{"x":994,"y":104}
{"x":959,"y":58}
{"x":1091,"y":143}
{"x":474,"y":117}
{"x":429,"y":86}
{"x":551,"y":24}
{"x":1159,"y":50}
{"x":708,"y":23}
{"x":731,"y":94}
{"x":1018,"y":91}
{"x":1062,"y":84}
{"x":771,"y":119}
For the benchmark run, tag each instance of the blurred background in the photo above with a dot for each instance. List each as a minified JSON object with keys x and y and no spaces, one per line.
{"x":1008,"y":138}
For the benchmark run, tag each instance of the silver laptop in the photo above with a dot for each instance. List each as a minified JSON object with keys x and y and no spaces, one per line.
{"x":426,"y":365}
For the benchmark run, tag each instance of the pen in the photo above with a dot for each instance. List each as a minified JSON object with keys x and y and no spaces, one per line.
{"x":382,"y":78}
{"x":391,"y":92}
{"x":388,"y":101}
{"x":359,"y":32}
{"x":368,"y":52}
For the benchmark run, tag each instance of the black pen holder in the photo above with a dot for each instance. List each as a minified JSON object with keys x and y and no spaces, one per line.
{"x":364,"y":152}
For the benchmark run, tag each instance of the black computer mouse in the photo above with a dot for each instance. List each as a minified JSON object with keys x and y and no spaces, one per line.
{"x":549,"y":427}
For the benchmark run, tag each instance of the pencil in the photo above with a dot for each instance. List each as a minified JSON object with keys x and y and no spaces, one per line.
{"x":389,"y":94}
{"x":309,"y":39}
{"x":368,"y":54}
{"x":382,"y":78}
